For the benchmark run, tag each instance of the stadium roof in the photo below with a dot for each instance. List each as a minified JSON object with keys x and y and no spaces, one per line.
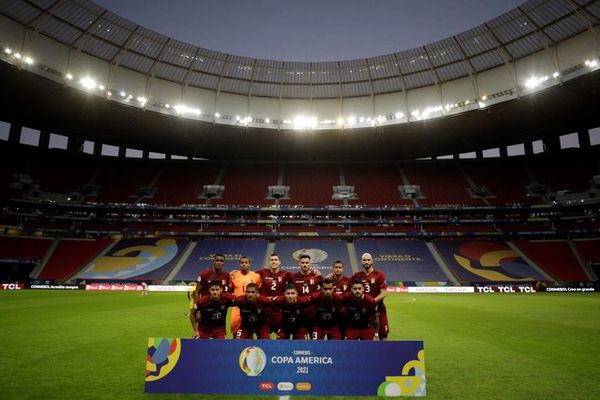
{"x":529,"y":28}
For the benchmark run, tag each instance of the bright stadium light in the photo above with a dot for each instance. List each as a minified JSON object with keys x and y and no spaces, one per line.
{"x":7,"y":50}
{"x":361,"y":120}
{"x":399,"y":115}
{"x":68,"y":76}
{"x":88,"y":83}
{"x":484,"y":97}
{"x":217,"y":115}
{"x":18,"y":56}
{"x":101,"y":87}
{"x":481,"y":104}
{"x":28,"y":60}
{"x":183,"y":109}
{"x":532,"y":83}
{"x":267,"y":121}
{"x":556,"y":74}
{"x":589,"y":63}
{"x":122,"y":93}
{"x":302,"y":122}
{"x":142,"y":100}
{"x":351,"y":120}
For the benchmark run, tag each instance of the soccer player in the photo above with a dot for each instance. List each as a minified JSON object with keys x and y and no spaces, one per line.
{"x":253,"y":314}
{"x":341,"y":283}
{"x":211,"y":311}
{"x":215,"y":272}
{"x":273,"y":284}
{"x":238,"y":282}
{"x":325,"y":311}
{"x":306,"y":280}
{"x":293,"y":314}
{"x":375,"y":286}
{"x":361,"y":314}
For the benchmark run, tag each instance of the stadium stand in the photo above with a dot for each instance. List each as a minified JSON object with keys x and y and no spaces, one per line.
{"x":70,"y":256}
{"x":23,"y":248}
{"x":375,"y":185}
{"x":247,"y":185}
{"x":441,"y":184}
{"x":589,"y":249}
{"x":119,"y":181}
{"x":311,"y":185}
{"x":506,"y":180}
{"x":555,"y":257}
{"x":182,"y":183}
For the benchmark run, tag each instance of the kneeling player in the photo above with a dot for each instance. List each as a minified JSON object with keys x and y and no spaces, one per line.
{"x":212,"y":310}
{"x":361,"y":314}
{"x":326,"y":307}
{"x":253,"y":314}
{"x":293,"y":319}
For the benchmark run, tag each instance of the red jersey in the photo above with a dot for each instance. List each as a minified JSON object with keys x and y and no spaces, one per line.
{"x":209,"y":275}
{"x":374,"y":282}
{"x":273,"y":284}
{"x":360,"y":314}
{"x":326,"y":312}
{"x":253,"y":313}
{"x":213,"y":313}
{"x":340,"y":285}
{"x":293,"y":316}
{"x":307,"y":284}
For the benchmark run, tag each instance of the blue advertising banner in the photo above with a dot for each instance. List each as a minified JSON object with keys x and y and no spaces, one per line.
{"x":322,"y":253}
{"x":283,"y":367}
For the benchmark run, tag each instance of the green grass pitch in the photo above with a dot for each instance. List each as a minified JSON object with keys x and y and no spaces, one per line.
{"x":91,"y":345}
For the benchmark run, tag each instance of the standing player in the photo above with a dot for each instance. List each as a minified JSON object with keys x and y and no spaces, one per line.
{"x":252,"y":310}
{"x":325,"y":311}
{"x":375,"y":286}
{"x":361,"y":314}
{"x":293,"y":314}
{"x":212,"y":311}
{"x":306,"y":280}
{"x":238,"y":282}
{"x":273,"y":284}
{"x":213,"y":273}
{"x":341,"y":283}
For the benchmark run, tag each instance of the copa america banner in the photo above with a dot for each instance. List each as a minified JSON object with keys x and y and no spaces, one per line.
{"x":283,"y":367}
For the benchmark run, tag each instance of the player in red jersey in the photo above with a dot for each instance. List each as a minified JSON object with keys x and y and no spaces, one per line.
{"x":341,"y":283}
{"x":273,"y":284}
{"x":307,"y":281}
{"x":213,"y":273}
{"x":253,"y":314}
{"x":361,"y":314}
{"x":293,"y":314}
{"x":376,"y":287}
{"x":326,"y":307}
{"x":211,"y":311}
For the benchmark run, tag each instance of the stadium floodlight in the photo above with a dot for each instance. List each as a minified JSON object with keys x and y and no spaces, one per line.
{"x":7,"y":50}
{"x":591,"y":63}
{"x":484,"y":98}
{"x":340,"y":121}
{"x":351,"y":120}
{"x":183,"y":109}
{"x":88,"y":83}
{"x":237,"y":117}
{"x":267,"y":121}
{"x":302,"y":122}
{"x":415,"y":113}
{"x":399,"y":115}
{"x":532,"y":83}
{"x":18,"y":56}
{"x":381,"y":119}
{"x":122,"y":93}
{"x":361,"y":120}
{"x":28,"y":60}
{"x":481,"y":104}
{"x":69,"y":76}
{"x":217,"y":115}
{"x":167,"y":105}
{"x":109,"y":93}
{"x":556,"y":74}
{"x":142,"y":100}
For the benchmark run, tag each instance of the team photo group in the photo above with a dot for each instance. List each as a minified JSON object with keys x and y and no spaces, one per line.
{"x":303,"y":305}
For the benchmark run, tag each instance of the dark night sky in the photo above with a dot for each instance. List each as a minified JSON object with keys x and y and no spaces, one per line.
{"x":309,"y":30}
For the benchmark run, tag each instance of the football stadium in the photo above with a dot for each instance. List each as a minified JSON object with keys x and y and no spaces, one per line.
{"x":457,"y":183}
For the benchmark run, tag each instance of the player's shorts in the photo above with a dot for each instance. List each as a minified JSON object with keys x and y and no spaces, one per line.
{"x":273,"y":319}
{"x":360,"y":334}
{"x":300,"y":333}
{"x":218,"y":333}
{"x":261,"y":332}
{"x":384,"y":328}
{"x":332,"y":334}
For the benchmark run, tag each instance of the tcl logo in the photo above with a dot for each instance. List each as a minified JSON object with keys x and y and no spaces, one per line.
{"x":12,"y":286}
{"x":266,"y":386}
